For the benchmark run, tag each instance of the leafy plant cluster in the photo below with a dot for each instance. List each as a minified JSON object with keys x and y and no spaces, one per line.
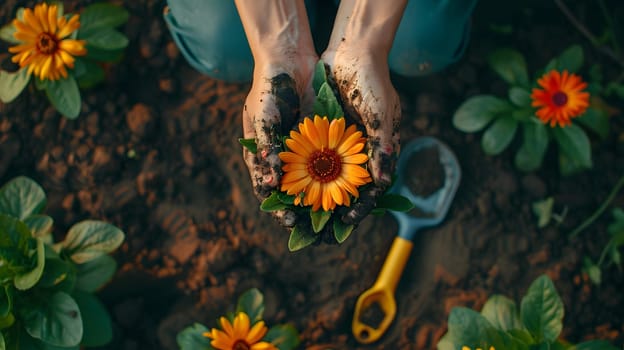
{"x":104,"y":44}
{"x":303,"y":235}
{"x":611,"y":254}
{"x":502,"y":118}
{"x":283,"y":336}
{"x":538,"y":325}
{"x":46,"y":288}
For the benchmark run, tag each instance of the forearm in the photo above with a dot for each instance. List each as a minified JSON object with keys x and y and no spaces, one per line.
{"x":277,"y":30}
{"x":367,"y":24}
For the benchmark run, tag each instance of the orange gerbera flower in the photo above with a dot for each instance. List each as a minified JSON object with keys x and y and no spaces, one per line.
{"x":324,"y":164}
{"x":44,"y":46}
{"x":561,"y":98}
{"x":239,"y":335}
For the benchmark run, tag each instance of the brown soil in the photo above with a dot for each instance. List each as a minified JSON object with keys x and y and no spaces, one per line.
{"x":372,"y":315}
{"x":424,"y":174}
{"x":155,"y":152}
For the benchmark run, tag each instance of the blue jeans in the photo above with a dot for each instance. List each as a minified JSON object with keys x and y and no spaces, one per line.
{"x":432,"y":35}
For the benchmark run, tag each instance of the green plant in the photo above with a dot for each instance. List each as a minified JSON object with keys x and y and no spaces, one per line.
{"x":307,"y":232}
{"x":502,"y":118}
{"x":46,"y":288}
{"x":251,"y":306}
{"x":70,"y":54}
{"x":537,"y":325}
{"x":611,"y":254}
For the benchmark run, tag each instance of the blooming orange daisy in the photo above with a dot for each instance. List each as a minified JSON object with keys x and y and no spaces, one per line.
{"x":561,"y":98}
{"x":324,"y":163}
{"x":44,"y":46}
{"x":239,"y":335}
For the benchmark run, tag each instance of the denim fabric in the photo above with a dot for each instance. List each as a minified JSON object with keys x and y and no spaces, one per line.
{"x":432,"y":35}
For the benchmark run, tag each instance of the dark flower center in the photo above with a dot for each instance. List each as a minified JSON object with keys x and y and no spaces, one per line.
{"x":241,"y":345}
{"x":46,"y":43}
{"x":560,"y":98}
{"x":325,"y":165}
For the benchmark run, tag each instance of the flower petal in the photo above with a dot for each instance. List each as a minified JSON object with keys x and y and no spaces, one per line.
{"x":336,"y":130}
{"x":256,"y":333}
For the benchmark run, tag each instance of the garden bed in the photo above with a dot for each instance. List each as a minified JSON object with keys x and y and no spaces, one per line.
{"x":154,"y":152}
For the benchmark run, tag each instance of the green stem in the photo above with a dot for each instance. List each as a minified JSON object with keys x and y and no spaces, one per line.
{"x":604,"y":253}
{"x":609,"y":20}
{"x":600,"y":210}
{"x":589,"y":35}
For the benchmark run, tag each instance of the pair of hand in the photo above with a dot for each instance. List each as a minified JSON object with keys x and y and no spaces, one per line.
{"x":282,"y":93}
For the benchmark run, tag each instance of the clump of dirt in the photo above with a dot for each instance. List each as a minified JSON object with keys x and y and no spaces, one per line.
{"x":372,"y":315}
{"x":424,"y":174}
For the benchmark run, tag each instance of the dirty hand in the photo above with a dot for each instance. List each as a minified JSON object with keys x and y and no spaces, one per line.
{"x":284,"y":58}
{"x":357,"y":57}
{"x":278,"y":96}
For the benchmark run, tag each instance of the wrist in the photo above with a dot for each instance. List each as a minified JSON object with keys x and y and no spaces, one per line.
{"x":372,"y":24}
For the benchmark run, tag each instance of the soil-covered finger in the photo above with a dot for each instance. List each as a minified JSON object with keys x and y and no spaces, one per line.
{"x":363,"y":206}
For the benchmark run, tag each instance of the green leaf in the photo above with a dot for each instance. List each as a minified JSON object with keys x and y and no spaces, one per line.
{"x":94,"y":274}
{"x":342,"y":231}
{"x":252,"y":303}
{"x":502,"y":313}
{"x":326,"y":104}
{"x":574,"y":143}
{"x":394,"y":202}
{"x":7,"y":321}
{"x":477,"y":112}
{"x":22,"y":197}
{"x":12,"y":84}
{"x":273,"y":203}
{"x":596,"y":120}
{"x":106,"y":39}
{"x":6,"y":34}
{"x":101,"y":55}
{"x":320,"y":76}
{"x":55,"y":320}
{"x":499,"y":135}
{"x":510,"y":65}
{"x":542,"y":310}
{"x":534,"y":145}
{"x":64,"y":96}
{"x":97,"y":324}
{"x":319,"y":218}
{"x":90,"y":239}
{"x":6,"y":301}
{"x":543,"y":210}
{"x":467,"y":327}
{"x":284,"y":337}
{"x":286,"y":198}
{"x":17,"y":248}
{"x":592,"y":270}
{"x":2,"y":343}
{"x":101,"y":16}
{"x":250,"y":144}
{"x":91,"y":73}
{"x":40,"y":225}
{"x":519,"y":96}
{"x":192,"y":338}
{"x":56,"y":272}
{"x":29,"y":279}
{"x":571,"y":59}
{"x":594,"y":345}
{"x":300,"y":238}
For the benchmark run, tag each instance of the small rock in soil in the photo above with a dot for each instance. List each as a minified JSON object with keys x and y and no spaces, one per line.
{"x":139,"y":119}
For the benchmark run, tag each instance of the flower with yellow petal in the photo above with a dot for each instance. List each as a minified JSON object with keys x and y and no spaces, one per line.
{"x":323,"y":167}
{"x":560,"y":99}
{"x":239,"y":335}
{"x":45,"y":48}
{"x":467,"y":348}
